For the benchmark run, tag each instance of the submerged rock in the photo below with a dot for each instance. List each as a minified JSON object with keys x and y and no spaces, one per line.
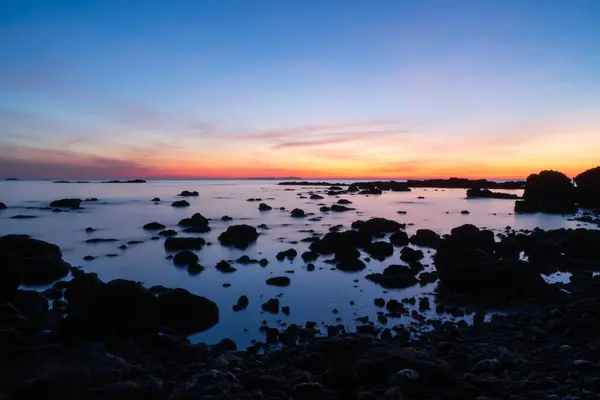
{"x":154,"y":226}
{"x":66,"y":203}
{"x":279,"y":281}
{"x":184,"y":243}
{"x":394,"y":277}
{"x":180,"y":203}
{"x":187,"y":193}
{"x":340,"y":208}
{"x":375,"y":226}
{"x":240,"y":236}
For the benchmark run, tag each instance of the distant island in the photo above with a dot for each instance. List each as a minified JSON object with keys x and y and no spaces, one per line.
{"x":114,"y":181}
{"x":450,"y":183}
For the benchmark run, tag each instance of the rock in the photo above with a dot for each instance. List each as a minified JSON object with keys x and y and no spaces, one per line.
{"x":379,"y":302}
{"x":309,"y":391}
{"x":53,"y":293}
{"x":375,"y":226}
{"x":226,"y":218}
{"x":11,"y":271}
{"x":411,"y":255}
{"x":180,"y":203}
{"x":394,"y":277}
{"x":154,"y":226}
{"x":101,"y":240}
{"x":588,"y":188}
{"x":184,"y":313}
{"x":395,"y":307}
{"x":263,"y":262}
{"x":264,"y":207}
{"x":340,"y":208}
{"x":310,"y":256}
{"x":184,"y":243}
{"x":316,"y":197}
{"x":197,"y":223}
{"x":350,"y":265}
{"x":324,"y":209}
{"x":241,"y":304}
{"x":21,"y":216}
{"x":271,"y":306}
{"x":476,"y":193}
{"x":297,"y":213}
{"x":404,"y":377}
{"x":187,"y":193}
{"x":279,"y":281}
{"x":290,"y":254}
{"x":195,"y":268}
{"x":379,"y":250}
{"x":184,"y":258}
{"x":399,"y":238}
{"x":239,"y":236}
{"x":156,"y":200}
{"x":3,"y":206}
{"x":225,"y":267}
{"x":425,"y":238}
{"x":167,"y":233}
{"x":340,"y":242}
{"x":344,"y":201}
{"x":310,"y":267}
{"x":89,"y":229}
{"x":548,"y":192}
{"x":465,"y":212}
{"x":40,"y":262}
{"x":66,"y":203}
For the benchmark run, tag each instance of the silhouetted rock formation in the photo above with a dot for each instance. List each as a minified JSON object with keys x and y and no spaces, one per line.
{"x":240,"y":236}
{"x":547,"y":192}
{"x":196,"y":224}
{"x":375,"y":187}
{"x":588,"y":188}
{"x":187,"y":193}
{"x":3,"y":206}
{"x":129,"y":181}
{"x":476,"y":193}
{"x":66,"y":203}
{"x":309,"y":183}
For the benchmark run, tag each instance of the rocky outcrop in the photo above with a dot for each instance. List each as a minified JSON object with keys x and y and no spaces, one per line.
{"x":264,"y":207}
{"x":376,"y":187}
{"x":588,"y":188}
{"x":478,"y":193}
{"x":394,"y":277}
{"x":197,"y":223}
{"x":3,"y":206}
{"x":425,"y":238}
{"x":297,"y":213}
{"x":240,"y":236}
{"x":66,"y":203}
{"x":183,"y":243}
{"x":375,"y":226}
{"x":11,"y":272}
{"x":180,"y":203}
{"x":40,"y":262}
{"x":279,"y":281}
{"x":547,"y":192}
{"x":154,"y":226}
{"x":187,"y":193}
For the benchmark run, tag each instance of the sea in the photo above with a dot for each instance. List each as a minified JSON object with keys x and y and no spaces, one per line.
{"x":325,"y":295}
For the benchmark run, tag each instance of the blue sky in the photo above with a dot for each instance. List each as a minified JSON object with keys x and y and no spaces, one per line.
{"x":317,"y":88}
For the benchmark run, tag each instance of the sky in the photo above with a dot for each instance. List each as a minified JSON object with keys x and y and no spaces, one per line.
{"x":308,"y":88}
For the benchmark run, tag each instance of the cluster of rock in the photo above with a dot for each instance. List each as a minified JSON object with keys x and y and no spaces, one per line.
{"x":479,"y":193}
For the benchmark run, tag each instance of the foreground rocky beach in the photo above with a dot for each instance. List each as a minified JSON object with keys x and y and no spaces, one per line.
{"x":119,"y":339}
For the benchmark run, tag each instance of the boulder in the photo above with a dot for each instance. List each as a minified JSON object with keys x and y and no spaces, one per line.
{"x":344,"y":201}
{"x":290,"y":254}
{"x":167,"y":233}
{"x":316,"y":197}
{"x":297,"y":213}
{"x":350,"y":265}
{"x":197,"y":221}
{"x":156,"y":200}
{"x":66,"y":203}
{"x":180,"y":203}
{"x":310,"y":256}
{"x":240,"y":236}
{"x":3,"y":206}
{"x":184,"y":258}
{"x":340,"y":208}
{"x":279,"y":281}
{"x":425,"y":238}
{"x":11,"y":272}
{"x":184,"y":313}
{"x":478,"y":193}
{"x":588,"y":188}
{"x":184,"y":243}
{"x":242,"y":303}
{"x":411,"y":256}
{"x":271,"y":306}
{"x":264,"y":207}
{"x":394,"y":277}
{"x":375,"y":226}
{"x":379,"y":250}
{"x":154,"y":226}
{"x":548,"y":192}
{"x":225,"y":267}
{"x":399,"y":238}
{"x":187,"y":193}
{"x":333,"y":242}
{"x":41,"y":262}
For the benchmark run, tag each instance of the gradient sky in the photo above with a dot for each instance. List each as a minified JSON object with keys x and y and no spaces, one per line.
{"x":311,"y":88}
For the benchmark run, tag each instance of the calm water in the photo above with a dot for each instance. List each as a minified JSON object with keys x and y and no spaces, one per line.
{"x":123,"y":209}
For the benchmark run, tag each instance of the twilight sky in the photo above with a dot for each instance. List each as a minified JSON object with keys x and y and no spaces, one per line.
{"x":311,"y":88}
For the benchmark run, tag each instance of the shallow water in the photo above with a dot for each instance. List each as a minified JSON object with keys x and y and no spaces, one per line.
{"x":123,"y":209}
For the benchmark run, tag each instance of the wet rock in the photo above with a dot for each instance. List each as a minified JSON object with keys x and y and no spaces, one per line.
{"x":66,"y":203}
{"x":40,"y":262}
{"x":547,"y":192}
{"x":375,"y":226}
{"x":53,"y":293}
{"x":22,"y":216}
{"x":187,"y":193}
{"x":310,"y":267}
{"x":239,"y":236}
{"x":11,"y":271}
{"x":263,"y":262}
{"x":290,"y":254}
{"x":588,"y":188}
{"x":167,"y":233}
{"x":226,"y":218}
{"x":241,"y":304}
{"x":225,"y":267}
{"x":424,"y":304}
{"x":285,"y":310}
{"x":395,"y":307}
{"x":184,"y":258}
{"x":3,"y":206}
{"x":340,"y":208}
{"x":264,"y":207}
{"x":350,"y":265}
{"x":394,"y":277}
{"x":477,"y":193}
{"x":379,"y":250}
{"x":279,"y":281}
{"x":428,"y":277}
{"x":271,"y":306}
{"x":156,"y":200}
{"x":195,"y":268}
{"x":425,"y":238}
{"x":154,"y":226}
{"x":197,"y":223}
{"x":184,"y":243}
{"x":182,"y":312}
{"x":379,"y":302}
{"x":411,"y":255}
{"x":180,"y":203}
{"x":89,"y":229}
{"x":344,"y":201}
{"x":297,"y":213}
{"x":309,"y":391}
{"x":399,"y":238}
{"x":465,"y":212}
{"x":89,"y":258}
{"x":254,"y":199}
{"x":310,"y":256}
{"x":101,"y":240}
{"x":316,"y":197}
{"x":341,"y":242}
{"x":324,"y":209}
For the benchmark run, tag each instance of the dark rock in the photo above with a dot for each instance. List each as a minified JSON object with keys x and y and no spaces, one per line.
{"x":394,"y":277}
{"x":89,"y":229}
{"x":290,"y":254}
{"x":154,"y":226}
{"x":271,"y":306}
{"x":465,"y":212}
{"x":350,"y":265}
{"x":66,"y":203}
{"x":428,"y":277}
{"x":340,"y":208}
{"x":239,"y":236}
{"x":168,"y":233}
{"x":187,"y":193}
{"x":156,"y":199}
{"x":195,"y":268}
{"x":310,"y":256}
{"x":101,"y":240}
{"x":297,"y":213}
{"x":263,"y":262}
{"x":197,"y":222}
{"x":184,"y":243}
{"x":226,"y":218}
{"x":588,"y":188}
{"x":425,"y":238}
{"x":399,"y":238}
{"x":40,"y":262}
{"x":89,"y":258}
{"x":377,"y":225}
{"x":310,"y":267}
{"x":309,"y":391}
{"x":379,"y":250}
{"x":279,"y":281}
{"x":241,"y":304}
{"x":225,"y":267}
{"x":341,"y":242}
{"x":182,"y":312}
{"x":180,"y":203}
{"x":316,"y":197}
{"x":411,"y":255}
{"x":184,"y":258}
{"x":379,"y":302}
{"x":264,"y":207}
{"x":344,"y":201}
{"x":53,"y":293}
{"x":22,"y":216}
{"x":11,"y":274}
{"x":548,"y":192}
{"x":475,"y":193}
{"x":3,"y":206}
{"x":324,"y":209}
